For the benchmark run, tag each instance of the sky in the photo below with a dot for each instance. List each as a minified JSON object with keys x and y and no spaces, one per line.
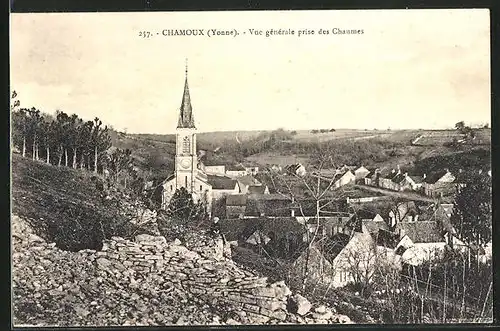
{"x":409,"y":69}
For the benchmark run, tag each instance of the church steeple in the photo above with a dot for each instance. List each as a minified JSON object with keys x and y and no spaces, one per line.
{"x":186,"y":119}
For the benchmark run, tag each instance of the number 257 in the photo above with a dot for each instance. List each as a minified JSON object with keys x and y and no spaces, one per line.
{"x":144,"y":34}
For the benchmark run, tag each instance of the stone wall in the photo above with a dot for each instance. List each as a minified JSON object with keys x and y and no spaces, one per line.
{"x":149,"y":282}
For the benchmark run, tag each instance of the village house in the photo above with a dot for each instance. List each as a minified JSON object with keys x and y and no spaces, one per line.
{"x":393,"y":180}
{"x":336,"y":261}
{"x":215,"y":169}
{"x":275,"y":168}
{"x":406,"y":211}
{"x":296,"y":169}
{"x":372,"y":178}
{"x":328,"y":226}
{"x":252,"y":170}
{"x":258,"y":189}
{"x":420,"y":241}
{"x":387,"y":242}
{"x":342,"y":179}
{"x":246,"y":181}
{"x":438,"y":183}
{"x":360,"y":173}
{"x":409,"y":182}
{"x":235,"y":171}
{"x":279,"y":236}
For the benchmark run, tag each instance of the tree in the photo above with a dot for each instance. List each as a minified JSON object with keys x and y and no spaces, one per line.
{"x":182,"y":213}
{"x":473,"y":211}
{"x":120,"y":164}
{"x":34,"y":121}
{"x":20,"y":127}
{"x":101,"y":141}
{"x":84,"y":141}
{"x":459,"y":126}
{"x":61,"y":133}
{"x":15,"y":103}
{"x":46,"y":138}
{"x":313,"y":188}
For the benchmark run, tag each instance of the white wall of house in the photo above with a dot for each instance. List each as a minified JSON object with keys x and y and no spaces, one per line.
{"x":346,"y":179}
{"x":252,"y":170}
{"x":422,"y":252}
{"x":361,"y":172}
{"x":301,"y":171}
{"x":236,"y":173}
{"x":201,"y":190}
{"x":215,"y":170}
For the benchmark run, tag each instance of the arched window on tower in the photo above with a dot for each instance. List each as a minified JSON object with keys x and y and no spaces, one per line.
{"x":186,"y":145}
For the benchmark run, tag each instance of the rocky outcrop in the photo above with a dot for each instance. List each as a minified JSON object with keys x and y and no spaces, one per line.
{"x":146,"y":282}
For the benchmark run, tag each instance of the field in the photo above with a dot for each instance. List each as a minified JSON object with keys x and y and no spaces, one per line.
{"x":271,"y":158}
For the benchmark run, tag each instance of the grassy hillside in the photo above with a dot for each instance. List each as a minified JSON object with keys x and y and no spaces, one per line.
{"x":65,"y":205}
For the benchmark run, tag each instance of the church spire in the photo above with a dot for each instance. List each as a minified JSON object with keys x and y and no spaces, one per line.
{"x":186,"y":119}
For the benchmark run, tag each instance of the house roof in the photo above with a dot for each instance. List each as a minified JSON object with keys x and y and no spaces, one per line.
{"x":341,"y":174}
{"x":372,"y":173}
{"x":365,"y":214}
{"x":170,"y":177}
{"x":361,"y":169}
{"x":433,"y":177}
{"x":398,"y":178}
{"x":387,"y":238}
{"x":416,"y":179}
{"x":332,"y":246}
{"x":247,"y":180}
{"x":293,"y":167}
{"x":258,"y":237}
{"x":257,"y":206}
{"x":236,"y":200}
{"x":375,"y":226}
{"x":421,"y":231}
{"x":221,"y":182}
{"x":235,"y":167}
{"x":237,"y":229}
{"x":439,"y":214}
{"x":257,"y":189}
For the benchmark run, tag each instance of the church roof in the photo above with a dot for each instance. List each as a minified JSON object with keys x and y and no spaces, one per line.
{"x":186,"y":119}
{"x":221,"y":182}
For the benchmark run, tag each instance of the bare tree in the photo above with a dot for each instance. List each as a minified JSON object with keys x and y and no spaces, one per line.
{"x":311,"y":187}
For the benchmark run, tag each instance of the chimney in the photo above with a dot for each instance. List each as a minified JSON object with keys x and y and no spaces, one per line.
{"x":293,"y":212}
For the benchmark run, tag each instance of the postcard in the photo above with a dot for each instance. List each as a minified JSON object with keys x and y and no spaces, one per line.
{"x":251,"y":168}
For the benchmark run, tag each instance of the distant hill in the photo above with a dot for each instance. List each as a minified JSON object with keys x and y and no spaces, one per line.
{"x":384,"y":148}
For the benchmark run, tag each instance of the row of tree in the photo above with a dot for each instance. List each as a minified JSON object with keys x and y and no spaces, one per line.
{"x":61,"y":140}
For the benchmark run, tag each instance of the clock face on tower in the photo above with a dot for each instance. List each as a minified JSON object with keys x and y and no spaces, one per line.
{"x":185,"y":163}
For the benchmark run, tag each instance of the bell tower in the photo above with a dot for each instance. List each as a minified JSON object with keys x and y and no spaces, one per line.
{"x":185,"y":155}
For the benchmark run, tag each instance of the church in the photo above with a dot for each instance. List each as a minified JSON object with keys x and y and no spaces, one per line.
{"x":189,"y":171}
